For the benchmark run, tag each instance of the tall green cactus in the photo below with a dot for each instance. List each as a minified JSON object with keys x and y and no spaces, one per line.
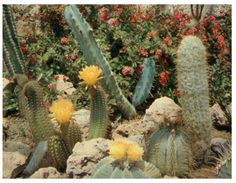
{"x":145,"y":82}
{"x":192,"y":80}
{"x":13,"y":56}
{"x":170,"y":152}
{"x":110,"y":168}
{"x":98,"y":117}
{"x":93,"y":55}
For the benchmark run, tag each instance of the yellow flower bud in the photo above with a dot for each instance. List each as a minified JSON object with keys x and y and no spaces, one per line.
{"x":118,"y":150}
{"x":134,"y":152}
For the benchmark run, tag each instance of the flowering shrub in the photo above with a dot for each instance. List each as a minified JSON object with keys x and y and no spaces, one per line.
{"x":127,"y":34}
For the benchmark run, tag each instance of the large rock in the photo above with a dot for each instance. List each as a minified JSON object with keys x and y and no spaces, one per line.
{"x":64,"y":86}
{"x":218,"y":116}
{"x":12,"y":146}
{"x":12,"y":161}
{"x":48,"y":173}
{"x":162,"y":110}
{"x":81,"y":117}
{"x":85,"y":156}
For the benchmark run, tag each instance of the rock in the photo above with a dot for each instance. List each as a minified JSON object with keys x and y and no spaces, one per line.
{"x":48,"y":173}
{"x":218,"y":145}
{"x":218,"y":116}
{"x":81,"y":117}
{"x":162,"y":110}
{"x":139,"y":139}
{"x":12,"y":161}
{"x":85,"y":157}
{"x":64,"y":86}
{"x":12,"y":146}
{"x":169,"y":177}
{"x":5,"y":82}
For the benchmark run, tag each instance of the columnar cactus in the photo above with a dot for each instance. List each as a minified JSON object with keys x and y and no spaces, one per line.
{"x":93,"y":56}
{"x":170,"y":152}
{"x":13,"y":56}
{"x":99,"y":116}
{"x":192,"y":80}
{"x":125,"y":162}
{"x":144,"y":85}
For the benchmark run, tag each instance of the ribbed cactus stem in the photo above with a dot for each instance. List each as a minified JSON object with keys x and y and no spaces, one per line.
{"x":98,"y":117}
{"x":93,"y":56}
{"x":13,"y":56}
{"x":58,"y":152}
{"x":34,"y":111}
{"x":169,"y":151}
{"x":194,"y":93}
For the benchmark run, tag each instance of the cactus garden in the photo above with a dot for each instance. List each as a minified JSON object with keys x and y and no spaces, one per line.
{"x":116,"y":91}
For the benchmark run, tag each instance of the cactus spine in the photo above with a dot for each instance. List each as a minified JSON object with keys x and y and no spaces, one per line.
{"x":170,"y":152}
{"x":13,"y":56}
{"x":110,"y":168}
{"x":144,"y":84}
{"x":98,"y":117}
{"x":194,"y":94}
{"x":93,"y":55}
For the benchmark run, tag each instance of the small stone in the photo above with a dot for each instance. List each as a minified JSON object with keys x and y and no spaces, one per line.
{"x":11,"y":161}
{"x":85,"y":157}
{"x":81,"y":117}
{"x":48,"y":173}
{"x":218,"y":116}
{"x":64,"y":86}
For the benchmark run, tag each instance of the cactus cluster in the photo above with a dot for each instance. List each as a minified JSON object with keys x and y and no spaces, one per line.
{"x":144,"y":85}
{"x":93,"y":56}
{"x":125,"y":162}
{"x":191,"y":66}
{"x":169,"y":150}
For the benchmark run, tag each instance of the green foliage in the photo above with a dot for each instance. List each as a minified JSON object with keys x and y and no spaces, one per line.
{"x":98,"y":117}
{"x":169,"y":150}
{"x":93,"y":55}
{"x":192,"y":80}
{"x":110,"y":168}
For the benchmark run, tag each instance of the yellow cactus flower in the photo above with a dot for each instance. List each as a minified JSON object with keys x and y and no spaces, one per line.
{"x":118,"y":150}
{"x":63,"y":110}
{"x":134,"y":152}
{"x":90,"y":75}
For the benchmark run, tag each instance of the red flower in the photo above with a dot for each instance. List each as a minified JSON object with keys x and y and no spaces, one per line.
{"x":73,"y":56}
{"x":212,"y":18}
{"x":127,"y":70}
{"x":51,"y":86}
{"x":152,"y":33}
{"x":216,"y":27}
{"x":123,"y":50}
{"x":64,"y":40}
{"x":133,"y":19}
{"x":104,"y":15}
{"x":220,"y":41}
{"x":118,"y":9}
{"x":114,"y":22}
{"x":46,"y":104}
{"x":163,"y":77}
{"x":167,"y":40}
{"x":177,"y":92}
{"x":142,"y":16}
{"x":143,"y":53}
{"x":141,"y":66}
{"x":31,"y":58}
{"x":23,"y":47}
{"x":158,"y":53}
{"x":30,"y":73}
{"x":149,"y":16}
{"x":191,"y":31}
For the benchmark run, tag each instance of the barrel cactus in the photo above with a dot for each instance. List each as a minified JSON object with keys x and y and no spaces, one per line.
{"x":125,"y":161}
{"x":169,"y":150}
